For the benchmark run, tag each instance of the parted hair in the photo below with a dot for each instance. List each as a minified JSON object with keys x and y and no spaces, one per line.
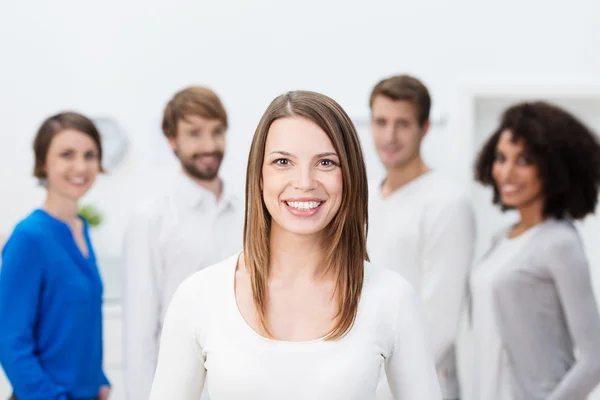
{"x":346,"y":234}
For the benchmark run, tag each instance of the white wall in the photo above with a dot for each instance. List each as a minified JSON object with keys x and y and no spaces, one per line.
{"x":125,"y":58}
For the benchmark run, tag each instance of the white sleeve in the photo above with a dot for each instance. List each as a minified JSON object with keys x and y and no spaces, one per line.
{"x":449,"y":241}
{"x":180,"y":372}
{"x":142,"y":293}
{"x":410,"y":367}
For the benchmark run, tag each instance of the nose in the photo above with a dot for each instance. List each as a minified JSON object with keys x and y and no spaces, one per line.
{"x":208,"y":144}
{"x":389,"y":133}
{"x":305,"y":179}
{"x":81,"y":164}
{"x":506,"y":170}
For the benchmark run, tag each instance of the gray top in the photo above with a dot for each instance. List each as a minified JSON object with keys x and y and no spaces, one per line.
{"x":543,"y":309}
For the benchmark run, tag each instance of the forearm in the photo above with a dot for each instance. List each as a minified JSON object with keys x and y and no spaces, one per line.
{"x":21,"y":280}
{"x":26,"y":376}
{"x":581,"y":379}
{"x":180,"y":371}
{"x":567,"y":262}
{"x":443,"y":305}
{"x":450,"y":252}
{"x":410,"y":370}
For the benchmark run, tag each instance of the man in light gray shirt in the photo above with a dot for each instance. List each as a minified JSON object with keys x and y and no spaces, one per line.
{"x":421,"y":224}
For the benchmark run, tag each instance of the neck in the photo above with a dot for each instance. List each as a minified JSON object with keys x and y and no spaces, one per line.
{"x":61,"y":208}
{"x":295,"y":257}
{"x":214,"y":185}
{"x":531,"y":215}
{"x":399,"y":177}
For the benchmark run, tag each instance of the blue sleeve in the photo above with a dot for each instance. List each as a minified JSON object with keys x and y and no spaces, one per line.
{"x":21,"y":280}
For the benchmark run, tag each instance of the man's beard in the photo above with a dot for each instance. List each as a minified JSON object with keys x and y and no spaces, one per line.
{"x":203,"y":174}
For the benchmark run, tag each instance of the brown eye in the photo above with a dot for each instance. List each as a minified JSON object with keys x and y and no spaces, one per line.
{"x":68,"y":154}
{"x":218,"y":132}
{"x":525,"y":160}
{"x":327,"y":163}
{"x":281,"y":161}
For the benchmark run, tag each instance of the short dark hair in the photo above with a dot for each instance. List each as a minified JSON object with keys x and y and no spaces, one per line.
{"x":405,"y":87}
{"x":566,"y":152}
{"x":54,"y":125}
{"x":193,"y":100}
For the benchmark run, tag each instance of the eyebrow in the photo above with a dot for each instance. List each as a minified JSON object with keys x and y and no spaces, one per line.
{"x":285,"y":153}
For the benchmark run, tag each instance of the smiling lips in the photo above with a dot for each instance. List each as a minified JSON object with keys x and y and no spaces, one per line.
{"x":304,"y":208}
{"x":78,"y":181}
{"x":391,"y":150}
{"x":509,"y":189}
{"x":207,"y":161}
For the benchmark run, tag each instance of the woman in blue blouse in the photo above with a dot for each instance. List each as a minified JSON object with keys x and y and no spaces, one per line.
{"x":50,"y":288}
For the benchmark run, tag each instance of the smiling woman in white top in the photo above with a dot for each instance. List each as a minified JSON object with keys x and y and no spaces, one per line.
{"x":533,"y":302}
{"x":298,"y":314}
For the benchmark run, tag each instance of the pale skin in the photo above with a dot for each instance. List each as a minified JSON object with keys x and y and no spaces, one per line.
{"x":517,"y":179}
{"x":72,"y":164}
{"x":397,"y":135}
{"x":200,"y":143}
{"x":300,"y":163}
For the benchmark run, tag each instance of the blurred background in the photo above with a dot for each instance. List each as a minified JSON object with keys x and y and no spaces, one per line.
{"x":120,"y":61}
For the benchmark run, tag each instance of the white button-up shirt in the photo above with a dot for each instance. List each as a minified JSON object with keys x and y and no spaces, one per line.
{"x":169,"y":238}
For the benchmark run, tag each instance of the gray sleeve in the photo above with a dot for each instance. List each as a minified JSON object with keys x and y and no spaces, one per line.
{"x":569,"y":268}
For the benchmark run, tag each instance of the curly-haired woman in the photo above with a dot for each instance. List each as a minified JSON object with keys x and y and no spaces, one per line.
{"x":533,"y":302}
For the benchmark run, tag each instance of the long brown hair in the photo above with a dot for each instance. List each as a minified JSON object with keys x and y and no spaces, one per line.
{"x":346,"y":234}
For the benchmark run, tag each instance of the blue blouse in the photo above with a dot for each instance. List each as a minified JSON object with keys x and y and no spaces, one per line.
{"x":50,"y":312}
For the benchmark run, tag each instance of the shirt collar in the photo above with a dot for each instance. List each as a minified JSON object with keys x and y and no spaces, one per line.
{"x":195,"y":195}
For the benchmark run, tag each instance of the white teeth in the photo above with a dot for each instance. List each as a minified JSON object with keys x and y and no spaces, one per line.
{"x":510,"y":188}
{"x":78,"y":181}
{"x":303,"y":205}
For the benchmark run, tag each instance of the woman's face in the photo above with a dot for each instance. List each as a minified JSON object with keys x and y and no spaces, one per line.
{"x":301,"y":177}
{"x":72,"y":164}
{"x":515,"y":174}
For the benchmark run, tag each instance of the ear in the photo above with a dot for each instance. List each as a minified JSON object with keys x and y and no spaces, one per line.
{"x":172,"y":142}
{"x":425,"y":128}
